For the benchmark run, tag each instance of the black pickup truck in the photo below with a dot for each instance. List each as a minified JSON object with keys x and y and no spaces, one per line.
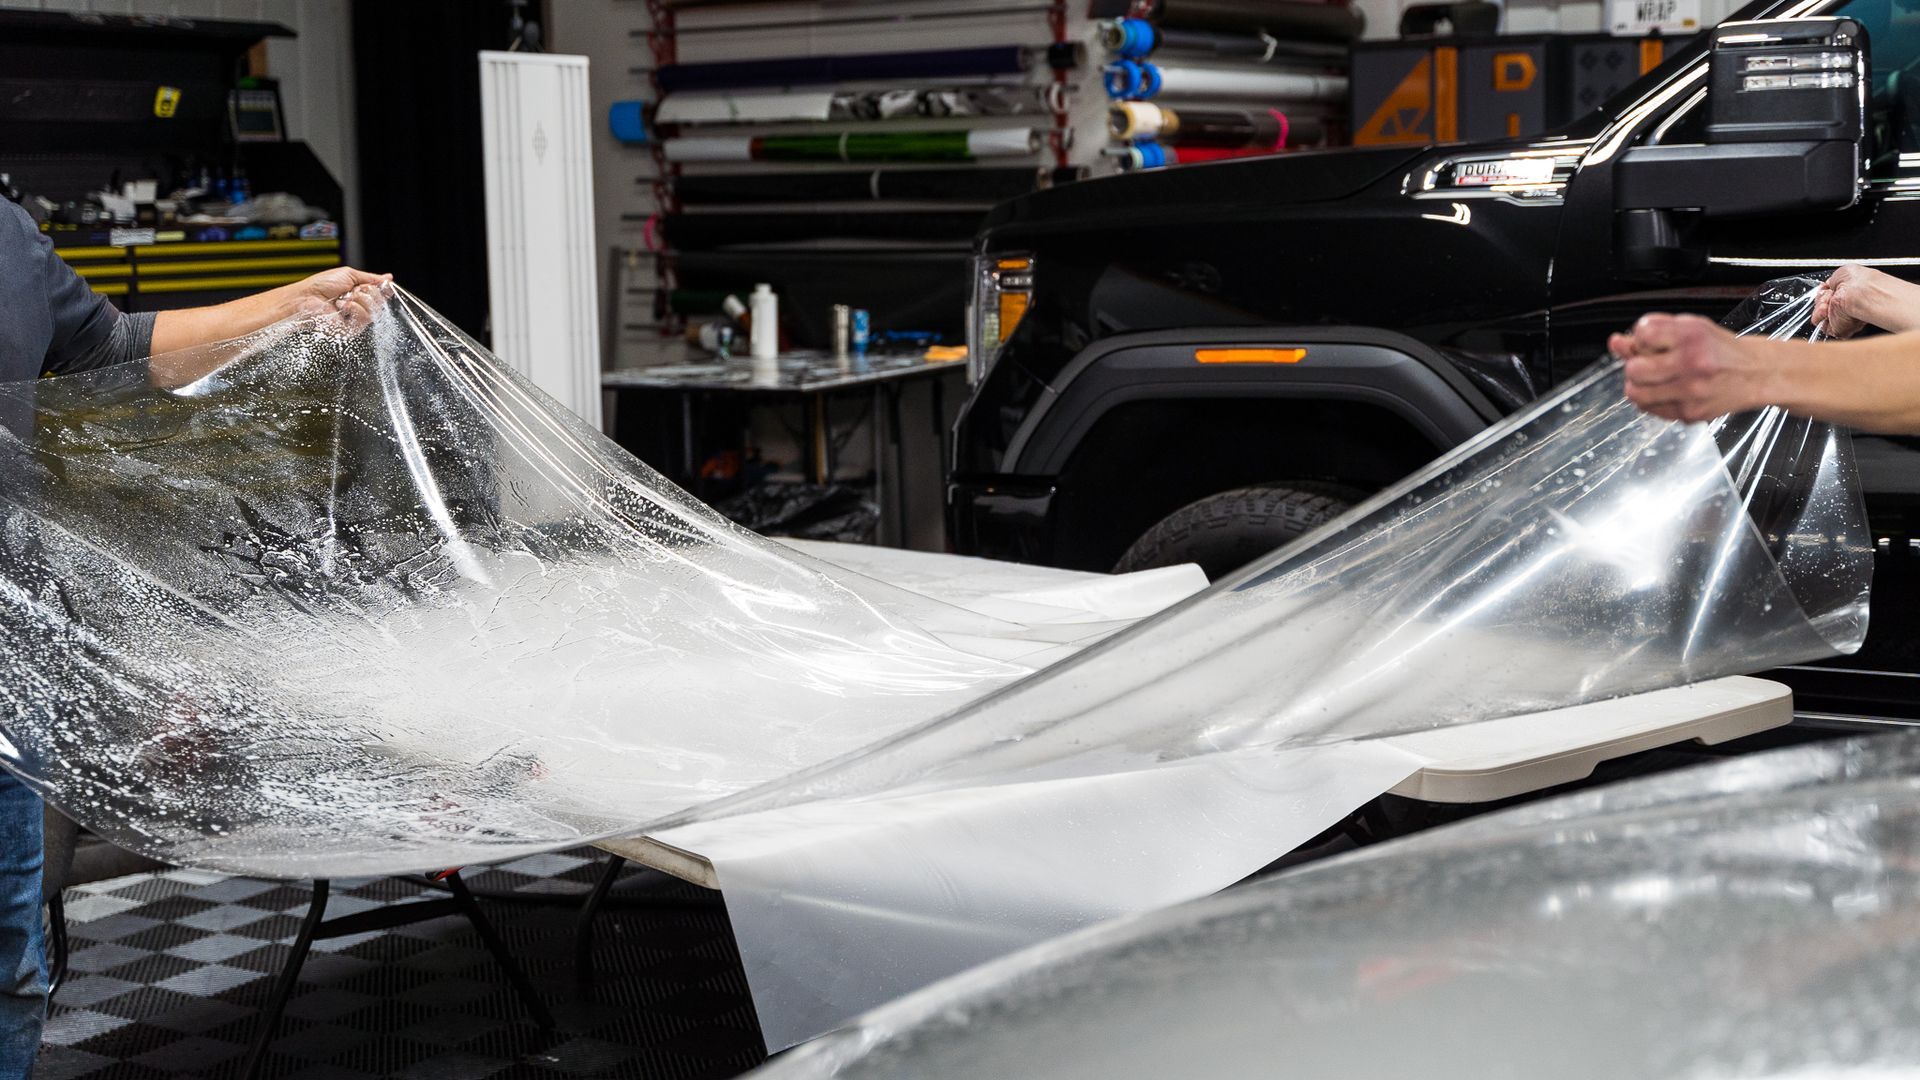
{"x":1200,"y":363}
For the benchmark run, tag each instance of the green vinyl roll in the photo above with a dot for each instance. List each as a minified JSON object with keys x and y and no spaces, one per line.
{"x":890,"y":146}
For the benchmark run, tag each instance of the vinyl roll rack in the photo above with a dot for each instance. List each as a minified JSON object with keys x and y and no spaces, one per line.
{"x":862,"y":141}
{"x":822,"y":131}
{"x":1205,"y":80}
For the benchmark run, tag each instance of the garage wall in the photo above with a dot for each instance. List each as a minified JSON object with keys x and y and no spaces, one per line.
{"x":601,"y":30}
{"x":315,"y":69}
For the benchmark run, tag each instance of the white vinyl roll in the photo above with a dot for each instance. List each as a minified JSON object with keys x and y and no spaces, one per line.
{"x":1242,"y":84}
{"x":710,"y":148}
{"x":1136,"y":120}
{"x":1002,"y":142}
{"x":745,"y":107}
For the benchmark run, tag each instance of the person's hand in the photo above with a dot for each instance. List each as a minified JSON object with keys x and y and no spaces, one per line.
{"x":1843,"y":303}
{"x":353,"y":295}
{"x":1684,"y":367}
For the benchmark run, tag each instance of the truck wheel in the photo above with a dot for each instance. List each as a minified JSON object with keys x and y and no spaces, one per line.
{"x":1227,"y":531}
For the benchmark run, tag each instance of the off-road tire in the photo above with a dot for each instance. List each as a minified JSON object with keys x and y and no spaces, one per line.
{"x":1227,"y":531}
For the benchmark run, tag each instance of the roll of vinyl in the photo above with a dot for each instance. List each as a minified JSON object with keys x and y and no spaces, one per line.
{"x":1137,"y":39}
{"x":1262,"y":47}
{"x":1147,"y":155}
{"x":858,"y":146}
{"x":707,"y":232}
{"x":1284,"y":19}
{"x":1193,"y":155}
{"x":1154,"y":155}
{"x":973,"y":184}
{"x":1135,"y":80}
{"x":1137,"y":120}
{"x":779,"y":106}
{"x":1230,"y":128}
{"x":745,"y":107}
{"x":709,"y":148}
{"x":1308,"y":130}
{"x":1130,"y":39}
{"x":804,"y":70}
{"x":628,"y":122}
{"x":1131,"y":80}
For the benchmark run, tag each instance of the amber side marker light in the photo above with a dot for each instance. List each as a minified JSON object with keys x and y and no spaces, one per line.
{"x":1249,"y":356}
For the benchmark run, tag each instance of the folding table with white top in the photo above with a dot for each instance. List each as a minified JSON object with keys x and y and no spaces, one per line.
{"x":1464,"y":764}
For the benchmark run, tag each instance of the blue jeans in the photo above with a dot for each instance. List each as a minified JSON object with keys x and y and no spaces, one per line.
{"x":23,"y":980}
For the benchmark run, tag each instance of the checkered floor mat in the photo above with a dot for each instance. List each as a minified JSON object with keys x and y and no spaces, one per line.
{"x":169,"y":972}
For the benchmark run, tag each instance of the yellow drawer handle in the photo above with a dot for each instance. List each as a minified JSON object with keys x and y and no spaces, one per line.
{"x":203,"y":266}
{"x":244,"y":281}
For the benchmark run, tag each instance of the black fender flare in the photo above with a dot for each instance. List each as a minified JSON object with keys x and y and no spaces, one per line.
{"x":1341,"y":363}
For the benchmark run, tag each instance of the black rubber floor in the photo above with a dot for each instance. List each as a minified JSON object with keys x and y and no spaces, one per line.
{"x":170,"y":970}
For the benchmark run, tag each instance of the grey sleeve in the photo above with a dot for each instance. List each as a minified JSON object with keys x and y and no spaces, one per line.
{"x":88,"y":332}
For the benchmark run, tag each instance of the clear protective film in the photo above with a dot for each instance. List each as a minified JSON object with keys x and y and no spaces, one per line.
{"x":1756,"y":918}
{"x":338,"y":604}
{"x":1578,"y":551}
{"x":321,"y":604}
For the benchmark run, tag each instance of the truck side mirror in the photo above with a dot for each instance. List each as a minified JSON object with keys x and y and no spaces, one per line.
{"x":1786,"y":132}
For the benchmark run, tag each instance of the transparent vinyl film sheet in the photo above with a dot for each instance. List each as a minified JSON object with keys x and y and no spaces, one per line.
{"x":1755,"y":918}
{"x":1576,"y":552}
{"x":319,"y":604}
{"x":340,"y":604}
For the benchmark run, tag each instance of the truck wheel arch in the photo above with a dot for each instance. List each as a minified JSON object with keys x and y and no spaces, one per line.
{"x":1338,"y":363}
{"x":1137,"y":429}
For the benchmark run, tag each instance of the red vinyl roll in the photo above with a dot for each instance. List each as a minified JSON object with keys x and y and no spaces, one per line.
{"x":1189,"y":155}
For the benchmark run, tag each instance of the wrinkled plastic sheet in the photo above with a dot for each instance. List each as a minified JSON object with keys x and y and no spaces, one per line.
{"x":1755,"y":918}
{"x":346,"y":605}
{"x":1578,"y":552}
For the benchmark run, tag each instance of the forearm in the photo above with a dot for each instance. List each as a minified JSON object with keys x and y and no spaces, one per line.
{"x":184,"y":329}
{"x":1871,"y":384}
{"x":1894,"y":304}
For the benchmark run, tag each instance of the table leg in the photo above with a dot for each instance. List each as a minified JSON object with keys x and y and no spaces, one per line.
{"x":899,"y":462}
{"x":940,"y":428}
{"x":285,"y":983}
{"x":589,"y":911}
{"x":876,"y":418}
{"x":817,"y":438}
{"x":490,"y":938}
{"x":691,"y":467}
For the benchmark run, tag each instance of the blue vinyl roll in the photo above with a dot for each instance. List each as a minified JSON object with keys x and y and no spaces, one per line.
{"x":802,"y":70}
{"x":1138,"y":38}
{"x":1150,"y":80}
{"x":1147,"y":154}
{"x":628,"y":121}
{"x":1132,"y":80}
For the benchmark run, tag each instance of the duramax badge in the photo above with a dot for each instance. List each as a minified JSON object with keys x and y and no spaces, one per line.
{"x":165,"y":100}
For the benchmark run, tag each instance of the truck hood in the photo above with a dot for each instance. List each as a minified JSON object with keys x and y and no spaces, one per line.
{"x":1301,"y":177}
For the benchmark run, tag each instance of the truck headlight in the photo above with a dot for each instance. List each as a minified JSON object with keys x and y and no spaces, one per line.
{"x":1002,"y":289}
